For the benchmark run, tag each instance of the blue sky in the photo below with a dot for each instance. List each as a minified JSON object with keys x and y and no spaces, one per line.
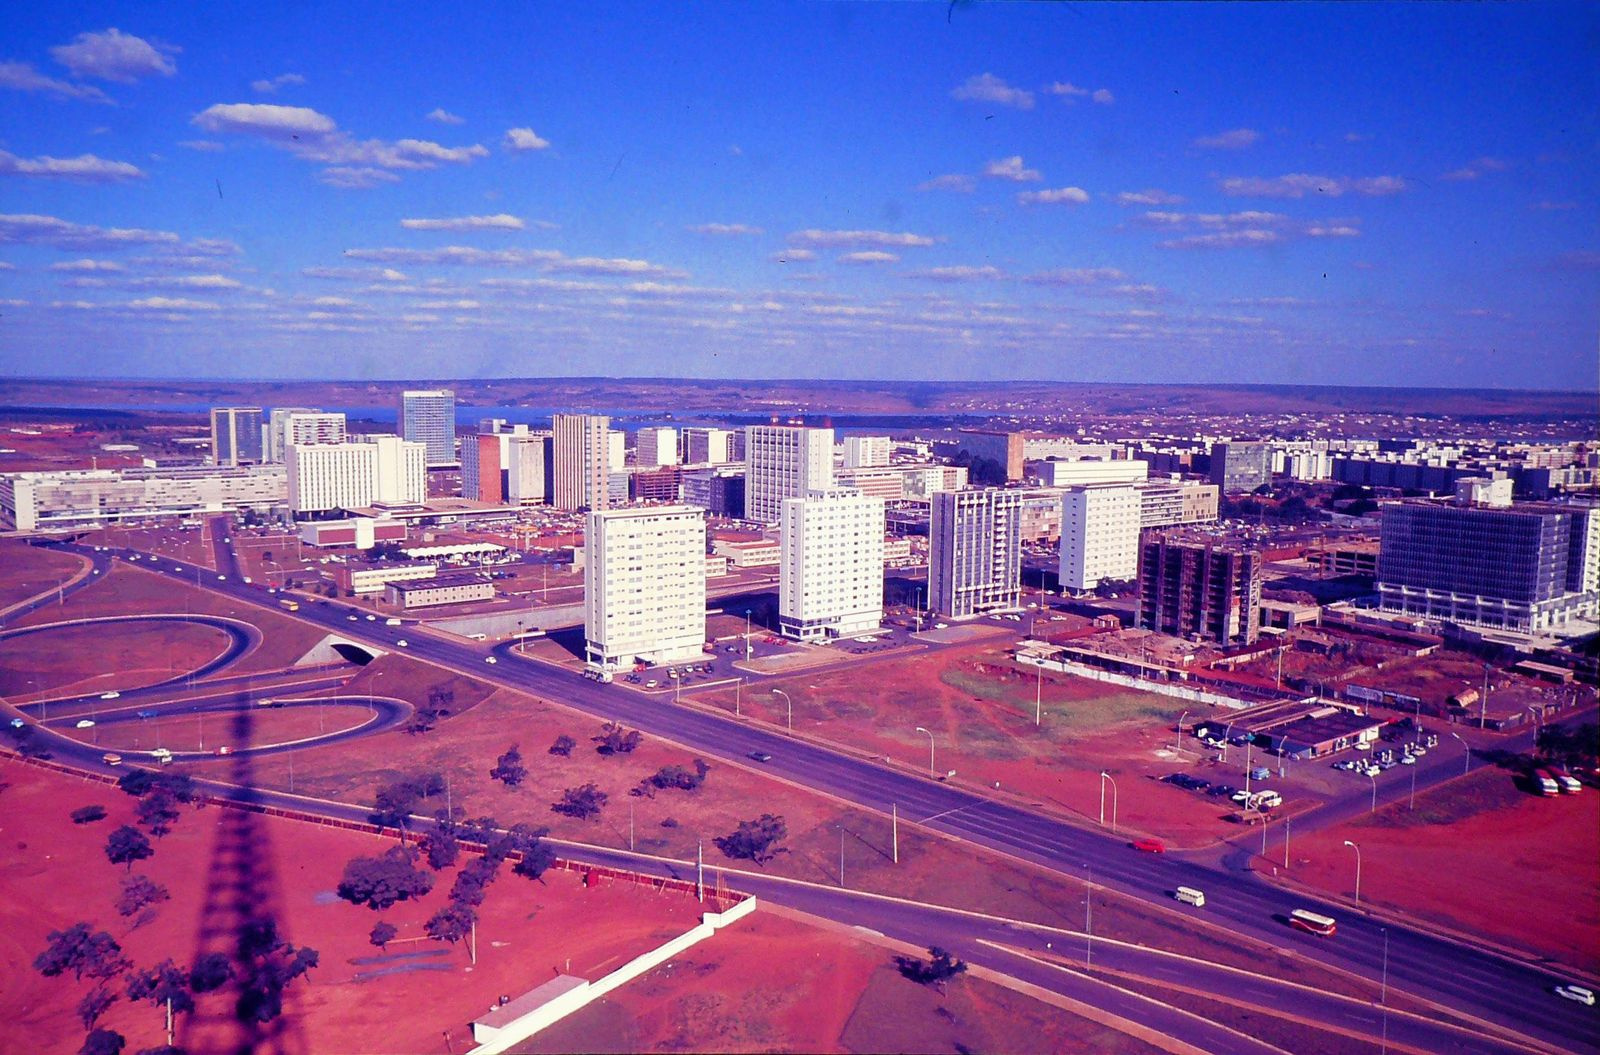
{"x":1399,"y":194}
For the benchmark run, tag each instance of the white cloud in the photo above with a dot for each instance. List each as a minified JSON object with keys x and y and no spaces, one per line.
{"x":192,"y":282}
{"x":1244,"y":237}
{"x":1338,"y":230}
{"x":87,"y":265}
{"x":449,"y":305}
{"x":269,"y":86}
{"x":63,"y":234}
{"x":590,"y":265}
{"x":1104,"y":97}
{"x":205,"y":146}
{"x":1473,"y":169}
{"x":1248,"y":217}
{"x":268,"y":120}
{"x":725,"y":230}
{"x":783,"y":256}
{"x":1299,"y":184}
{"x":357,"y":178}
{"x":171,"y":304}
{"x":1011,"y":168}
{"x":1149,"y":197}
{"x":317,"y":137}
{"x":1075,"y":276}
{"x":524,"y":139}
{"x":1233,"y":139}
{"x":445,"y":117}
{"x":816,"y":239}
{"x":22,"y":77}
{"x":954,"y":181}
{"x":987,"y":88}
{"x":1355,"y":137}
{"x":1071,"y":92}
{"x":499,"y":221}
{"x":85,"y":168}
{"x":456,"y":254}
{"x":115,"y":56}
{"x":1054,"y":196}
{"x":869,"y":256}
{"x":959,"y":273}
{"x":363,"y":274}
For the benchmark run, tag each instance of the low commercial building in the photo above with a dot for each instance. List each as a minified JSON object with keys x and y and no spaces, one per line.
{"x":372,"y":578}
{"x":442,"y":589}
{"x":758,"y":553}
{"x":82,"y":498}
{"x":360,"y":532}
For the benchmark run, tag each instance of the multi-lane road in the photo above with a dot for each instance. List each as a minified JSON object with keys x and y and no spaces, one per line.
{"x":1472,"y":981}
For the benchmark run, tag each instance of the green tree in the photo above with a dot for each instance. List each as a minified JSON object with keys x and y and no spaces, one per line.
{"x":936,"y":970}
{"x":382,"y":934}
{"x":81,"y":951}
{"x":581,"y":802}
{"x":127,"y":845}
{"x":138,"y":892}
{"x":379,"y":882}
{"x":755,"y":840}
{"x":508,"y":768}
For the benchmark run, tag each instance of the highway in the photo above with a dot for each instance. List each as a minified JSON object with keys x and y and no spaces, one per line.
{"x":1469,"y":980}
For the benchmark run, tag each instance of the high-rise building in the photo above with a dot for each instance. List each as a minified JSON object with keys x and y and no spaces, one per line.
{"x":1085,"y":471}
{"x":644,"y":585}
{"x":236,"y":435}
{"x":301,"y":425}
{"x":482,"y":473}
{"x":830,"y":583}
{"x":1199,"y":587}
{"x":428,"y":416}
{"x":863,"y":452}
{"x":719,"y":492}
{"x":326,"y":477}
{"x":527,"y":470}
{"x":1241,"y":467}
{"x":1527,"y":568}
{"x":582,"y":462}
{"x":1099,"y":535}
{"x":975,"y":551}
{"x":783,"y":461}
{"x":708,"y":446}
{"x":656,"y":447}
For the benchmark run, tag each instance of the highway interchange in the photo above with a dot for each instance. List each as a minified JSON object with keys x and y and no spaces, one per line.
{"x":1512,"y":997}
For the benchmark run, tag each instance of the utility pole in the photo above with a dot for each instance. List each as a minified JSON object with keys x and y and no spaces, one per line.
{"x":700,"y":871}
{"x":841,"y":855}
{"x":1286,"y":820}
{"x":894,"y":830}
{"x":1088,"y":920}
{"x":1038,"y":695}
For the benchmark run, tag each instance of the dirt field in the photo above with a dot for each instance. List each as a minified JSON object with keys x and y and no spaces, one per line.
{"x":1492,"y":841}
{"x":73,"y":660}
{"x":207,"y":732}
{"x":358,"y":998}
{"x":833,"y":993}
{"x":31,"y":570}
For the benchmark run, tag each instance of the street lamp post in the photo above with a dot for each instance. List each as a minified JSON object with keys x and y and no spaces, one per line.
{"x":738,"y":689}
{"x":1104,"y":776}
{"x":1466,"y":754}
{"x":747,"y":633}
{"x":1038,"y":694}
{"x":1177,"y":745}
{"x":1227,"y":734}
{"x":790,"y":703}
{"x":1357,"y":849}
{"x":1374,"y":780}
{"x":920,"y":729}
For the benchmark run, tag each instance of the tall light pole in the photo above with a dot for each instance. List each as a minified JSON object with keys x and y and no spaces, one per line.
{"x":920,"y":729}
{"x":747,"y":633}
{"x":1466,"y":754}
{"x":790,"y":703}
{"x":738,"y":688}
{"x":1227,"y":732}
{"x":1177,"y":745}
{"x":1374,"y":780}
{"x":1357,"y":849}
{"x":1038,"y":694}
{"x":1104,"y":776}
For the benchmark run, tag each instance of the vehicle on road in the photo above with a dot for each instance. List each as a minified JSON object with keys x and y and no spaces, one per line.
{"x":390,"y":622}
{"x":110,"y":695}
{"x":224,"y":750}
{"x":353,"y":618}
{"x":85,"y":723}
{"x":17,"y":723}
{"x":1408,"y":760}
{"x":1568,"y":782}
{"x":652,"y":683}
{"x":1543,"y":779}
{"x":490,"y":659}
{"x":1190,"y":896}
{"x":401,"y":642}
{"x":162,"y":755}
{"x":371,"y":618}
{"x":1149,"y":846}
{"x":111,"y":758}
{"x":1577,"y":993}
{"x":761,"y":756}
{"x":1313,"y":923}
{"x":289,"y":604}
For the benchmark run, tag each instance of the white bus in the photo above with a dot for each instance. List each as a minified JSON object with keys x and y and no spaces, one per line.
{"x":1312,"y":923}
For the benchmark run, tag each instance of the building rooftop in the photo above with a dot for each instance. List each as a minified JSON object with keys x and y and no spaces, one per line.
{"x":438,"y":582}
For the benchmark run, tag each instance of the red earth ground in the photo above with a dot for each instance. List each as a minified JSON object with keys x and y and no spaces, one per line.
{"x":93,"y":658}
{"x":32,"y":570}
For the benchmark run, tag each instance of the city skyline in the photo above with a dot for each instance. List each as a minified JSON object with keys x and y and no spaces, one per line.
{"x":1290,"y":194}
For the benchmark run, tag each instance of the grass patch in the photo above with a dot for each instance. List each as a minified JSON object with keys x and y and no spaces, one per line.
{"x":1485,"y":791}
{"x":1066,"y":715}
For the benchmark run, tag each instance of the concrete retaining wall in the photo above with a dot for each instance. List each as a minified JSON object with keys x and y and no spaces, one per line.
{"x":1165,"y":688}
{"x":500,"y":625}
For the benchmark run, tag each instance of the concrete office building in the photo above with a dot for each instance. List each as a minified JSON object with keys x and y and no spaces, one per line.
{"x":1527,"y":568}
{"x":1080,"y":473}
{"x":719,"y":492}
{"x":1199,"y":587}
{"x":486,"y":460}
{"x":582,"y":462}
{"x":1164,"y":503}
{"x":656,"y":447}
{"x":975,"y":552}
{"x":708,"y":446}
{"x":863,"y":452}
{"x":644,"y":585}
{"x":80,"y":498}
{"x":288,"y":426}
{"x":236,"y":436}
{"x":783,"y":461}
{"x":616,"y":450}
{"x":1002,"y":448}
{"x":1099,"y":535}
{"x":429,"y":417}
{"x":528,"y":468}
{"x":1241,"y":467}
{"x":830,"y":583}
{"x":327,"y":477}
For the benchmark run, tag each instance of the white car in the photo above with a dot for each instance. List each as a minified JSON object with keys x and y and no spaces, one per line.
{"x":1577,"y":993}
{"x":490,"y":659}
{"x":1408,"y":760}
{"x":85,"y":723}
{"x":401,"y":642}
{"x":110,"y":695}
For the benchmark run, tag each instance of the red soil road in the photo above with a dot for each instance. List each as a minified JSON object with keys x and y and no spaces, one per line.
{"x":96,"y":657}
{"x":1523,"y":874}
{"x":55,"y":873}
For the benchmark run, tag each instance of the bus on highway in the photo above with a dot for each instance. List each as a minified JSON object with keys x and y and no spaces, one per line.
{"x":1312,"y":923}
{"x":289,"y":605}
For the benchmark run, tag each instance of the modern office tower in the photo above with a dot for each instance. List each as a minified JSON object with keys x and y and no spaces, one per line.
{"x":1528,"y":568}
{"x":708,"y":446}
{"x":784,"y":461}
{"x":486,"y":460}
{"x":921,"y":481}
{"x":1199,"y":587}
{"x":582,"y":462}
{"x":975,"y":551}
{"x":1167,"y":502}
{"x":429,"y":416}
{"x":301,"y":425}
{"x":1237,"y":467}
{"x":863,"y":452}
{"x":1081,"y":472}
{"x":1099,"y":535}
{"x":527,"y":469}
{"x":644,"y":585}
{"x":656,"y":447}
{"x":326,"y":477}
{"x":736,"y":446}
{"x":235,"y":435}
{"x":1002,"y":448}
{"x":86,"y":498}
{"x":719,"y":492}
{"x":616,"y":449}
{"x":830,"y":583}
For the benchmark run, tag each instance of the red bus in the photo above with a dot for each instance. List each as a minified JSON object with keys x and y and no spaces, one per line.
{"x":1312,"y":923}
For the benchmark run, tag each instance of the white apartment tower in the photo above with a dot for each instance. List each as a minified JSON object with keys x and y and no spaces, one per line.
{"x":644,"y":585}
{"x":975,"y":551}
{"x":783,"y":461}
{"x":830,"y":582}
{"x":864,"y":452}
{"x":582,"y":462}
{"x":326,"y":477}
{"x":707,"y":446}
{"x":1099,"y":534}
{"x":656,"y":447}
{"x":428,"y":416}
{"x":289,"y":426}
{"x":528,"y":468}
